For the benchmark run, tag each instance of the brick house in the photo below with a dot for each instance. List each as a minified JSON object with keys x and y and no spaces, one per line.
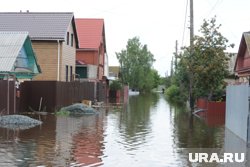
{"x":91,"y":56}
{"x":54,"y":40}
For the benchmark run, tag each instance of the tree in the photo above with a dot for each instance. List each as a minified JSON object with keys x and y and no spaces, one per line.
{"x":206,"y":62}
{"x":136,"y":65}
{"x":202,"y":67}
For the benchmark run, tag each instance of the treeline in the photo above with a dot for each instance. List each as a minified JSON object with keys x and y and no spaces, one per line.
{"x":136,"y":63}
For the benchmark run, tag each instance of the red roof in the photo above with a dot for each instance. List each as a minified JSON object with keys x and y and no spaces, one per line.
{"x":89,"y":33}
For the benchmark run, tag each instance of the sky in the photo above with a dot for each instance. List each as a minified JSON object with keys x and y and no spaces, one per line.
{"x":158,"y":23}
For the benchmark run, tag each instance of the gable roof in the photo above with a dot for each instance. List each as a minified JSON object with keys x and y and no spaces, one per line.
{"x":244,"y":45}
{"x":90,"y":33}
{"x":40,"y":25}
{"x":11,"y":44}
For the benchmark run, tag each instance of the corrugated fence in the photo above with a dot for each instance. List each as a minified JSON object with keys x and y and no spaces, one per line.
{"x":237,"y":110}
{"x":52,"y":95}
{"x":7,"y":101}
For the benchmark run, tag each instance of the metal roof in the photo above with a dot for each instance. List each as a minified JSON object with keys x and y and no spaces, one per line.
{"x":40,"y":25}
{"x":10,"y":45}
{"x":90,"y":33}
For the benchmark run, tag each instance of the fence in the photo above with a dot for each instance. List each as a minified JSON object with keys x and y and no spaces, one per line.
{"x":7,"y":101}
{"x":53,"y":95}
{"x":237,"y":110}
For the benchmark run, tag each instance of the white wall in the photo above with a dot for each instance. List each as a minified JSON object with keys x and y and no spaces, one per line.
{"x":92,"y":71}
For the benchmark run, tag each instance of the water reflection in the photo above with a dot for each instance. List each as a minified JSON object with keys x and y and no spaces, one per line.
{"x":146,"y":132}
{"x":192,"y":132}
{"x":34,"y":146}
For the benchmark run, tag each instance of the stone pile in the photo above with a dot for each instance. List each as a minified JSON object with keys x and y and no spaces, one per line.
{"x":18,"y":122}
{"x":79,"y":109}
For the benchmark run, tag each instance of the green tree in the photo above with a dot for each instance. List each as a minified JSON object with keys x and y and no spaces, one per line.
{"x":206,"y":63}
{"x":136,"y":65}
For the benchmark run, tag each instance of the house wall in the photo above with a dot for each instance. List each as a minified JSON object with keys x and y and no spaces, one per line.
{"x":68,"y":55}
{"x":246,"y":60}
{"x":101,"y":61}
{"x":93,"y":58}
{"x":237,"y":106}
{"x":47,"y":57}
{"x":243,"y":62}
{"x":89,"y":57}
{"x":46,"y":52}
{"x":92,"y":71}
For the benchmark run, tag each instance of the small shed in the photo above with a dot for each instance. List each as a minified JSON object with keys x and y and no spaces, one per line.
{"x":17,"y":57}
{"x":242,"y":65}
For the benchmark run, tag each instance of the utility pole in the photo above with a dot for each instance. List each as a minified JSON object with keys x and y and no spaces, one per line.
{"x":191,"y":76}
{"x":176,"y":55}
{"x":191,"y":23}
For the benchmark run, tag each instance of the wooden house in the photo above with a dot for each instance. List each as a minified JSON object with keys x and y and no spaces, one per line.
{"x":17,"y":63}
{"x":91,"y":56}
{"x":53,"y":37}
{"x":17,"y":56}
{"x":242,"y":65}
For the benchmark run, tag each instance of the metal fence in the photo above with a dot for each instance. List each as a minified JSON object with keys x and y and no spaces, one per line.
{"x":7,"y":97}
{"x":52,"y":95}
{"x":237,"y":110}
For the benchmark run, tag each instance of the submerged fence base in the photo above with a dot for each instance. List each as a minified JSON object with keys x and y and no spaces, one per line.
{"x":56,"y":94}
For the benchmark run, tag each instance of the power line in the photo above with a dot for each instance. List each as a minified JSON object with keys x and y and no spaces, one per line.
{"x":185,"y":21}
{"x":214,"y":6}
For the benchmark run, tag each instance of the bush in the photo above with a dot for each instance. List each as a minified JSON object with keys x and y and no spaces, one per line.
{"x":175,"y":95}
{"x":115,"y":85}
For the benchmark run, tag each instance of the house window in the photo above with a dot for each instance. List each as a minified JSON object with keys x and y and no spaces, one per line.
{"x":67,"y":73}
{"x":72,"y":39}
{"x":81,"y":72}
{"x":67,"y":38}
{"x":71,"y":73}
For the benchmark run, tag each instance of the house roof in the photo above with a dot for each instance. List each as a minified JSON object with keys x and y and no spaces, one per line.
{"x":90,"y":33}
{"x":11,"y":44}
{"x":244,"y":45}
{"x":40,"y":25}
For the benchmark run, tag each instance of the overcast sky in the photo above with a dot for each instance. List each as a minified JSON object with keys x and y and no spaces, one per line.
{"x":158,"y":23}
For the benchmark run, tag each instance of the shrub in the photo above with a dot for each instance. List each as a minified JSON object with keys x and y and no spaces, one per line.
{"x":115,"y":85}
{"x":175,"y":95}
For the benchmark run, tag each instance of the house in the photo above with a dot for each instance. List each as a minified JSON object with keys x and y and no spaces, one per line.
{"x":231,"y":62}
{"x":54,"y":40}
{"x":114,"y":72}
{"x":242,"y":65}
{"x":17,"y":62}
{"x":238,"y":95}
{"x":17,"y":56}
{"x":91,"y":55}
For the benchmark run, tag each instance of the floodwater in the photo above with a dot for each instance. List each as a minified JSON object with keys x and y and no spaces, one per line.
{"x":147,"y":132}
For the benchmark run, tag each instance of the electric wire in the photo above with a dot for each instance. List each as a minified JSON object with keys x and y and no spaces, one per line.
{"x":185,"y":21}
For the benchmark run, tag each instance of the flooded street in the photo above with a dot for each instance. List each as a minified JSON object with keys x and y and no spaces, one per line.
{"x":146,"y":132}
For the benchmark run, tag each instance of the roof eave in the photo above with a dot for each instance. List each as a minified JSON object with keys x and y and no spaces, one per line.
{"x":47,"y":39}
{"x":87,"y":49}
